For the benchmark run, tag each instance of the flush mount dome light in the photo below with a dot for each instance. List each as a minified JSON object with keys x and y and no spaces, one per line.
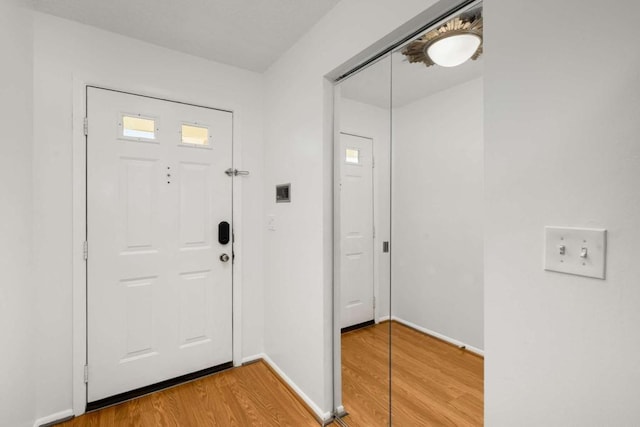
{"x":453,"y":50}
{"x":451,"y":44}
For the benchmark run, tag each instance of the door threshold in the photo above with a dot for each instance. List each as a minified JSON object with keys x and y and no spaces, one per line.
{"x":132,"y":394}
{"x":357,"y":326}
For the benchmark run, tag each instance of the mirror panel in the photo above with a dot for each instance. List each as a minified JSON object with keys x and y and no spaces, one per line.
{"x":408,"y":158}
{"x":437,"y":232}
{"x":362,"y":225}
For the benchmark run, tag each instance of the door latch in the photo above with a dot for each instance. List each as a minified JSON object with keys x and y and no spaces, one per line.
{"x":236,"y":172}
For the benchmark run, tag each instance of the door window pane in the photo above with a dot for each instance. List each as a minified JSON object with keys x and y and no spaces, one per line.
{"x":196,"y":135}
{"x":352,"y":156}
{"x":138,"y":127}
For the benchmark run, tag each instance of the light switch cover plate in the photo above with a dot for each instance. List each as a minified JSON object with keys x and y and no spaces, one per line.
{"x":565,"y":245}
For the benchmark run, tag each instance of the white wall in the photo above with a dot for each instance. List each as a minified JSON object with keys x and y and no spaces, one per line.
{"x":437,"y":213}
{"x":298,"y":149}
{"x":373,"y":122}
{"x":63,"y":51}
{"x":562,"y":147}
{"x":16,"y":206}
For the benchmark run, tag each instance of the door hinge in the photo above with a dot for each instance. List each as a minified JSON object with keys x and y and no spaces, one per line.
{"x":86,"y":126}
{"x":373,"y":162}
{"x":85,"y":250}
{"x":374,"y":303}
{"x":374,"y":232}
{"x":86,"y":374}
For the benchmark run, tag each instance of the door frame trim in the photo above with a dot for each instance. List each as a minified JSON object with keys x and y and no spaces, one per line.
{"x":80,"y":85}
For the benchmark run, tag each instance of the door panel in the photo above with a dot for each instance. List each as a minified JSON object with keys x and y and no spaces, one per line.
{"x":159,"y":298}
{"x":193,"y":308}
{"x":195,"y":230}
{"x":356,"y":222}
{"x":139,"y":198}
{"x":138,"y":294}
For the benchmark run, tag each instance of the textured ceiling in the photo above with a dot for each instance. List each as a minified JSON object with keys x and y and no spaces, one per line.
{"x":250,"y":34}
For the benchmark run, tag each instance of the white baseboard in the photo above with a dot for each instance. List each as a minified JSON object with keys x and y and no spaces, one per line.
{"x":53,"y":417}
{"x":382,"y":319}
{"x":323,"y":417}
{"x":438,"y":335}
{"x":253,"y":358}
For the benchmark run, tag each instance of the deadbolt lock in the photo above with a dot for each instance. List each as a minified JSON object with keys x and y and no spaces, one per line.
{"x":224,"y":257}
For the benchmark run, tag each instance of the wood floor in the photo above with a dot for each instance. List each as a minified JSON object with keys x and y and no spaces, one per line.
{"x":434,"y":383}
{"x":251,"y":395}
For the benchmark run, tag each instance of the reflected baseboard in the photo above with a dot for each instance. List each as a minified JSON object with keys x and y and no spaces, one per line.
{"x":442,"y":337}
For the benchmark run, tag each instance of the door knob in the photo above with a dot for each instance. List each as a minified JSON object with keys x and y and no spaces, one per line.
{"x":224,"y":257}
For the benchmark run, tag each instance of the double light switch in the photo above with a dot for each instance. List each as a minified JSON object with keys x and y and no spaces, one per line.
{"x":580,"y":251}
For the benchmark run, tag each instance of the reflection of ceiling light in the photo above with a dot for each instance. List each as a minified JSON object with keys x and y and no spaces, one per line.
{"x":453,"y":50}
{"x":451,"y":44}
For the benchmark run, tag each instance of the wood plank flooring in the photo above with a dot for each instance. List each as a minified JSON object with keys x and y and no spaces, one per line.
{"x":365,"y":376}
{"x":434,"y":383}
{"x":251,"y":395}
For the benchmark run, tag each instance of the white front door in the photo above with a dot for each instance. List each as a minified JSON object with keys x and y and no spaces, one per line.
{"x":159,"y":297}
{"x":356,"y":230}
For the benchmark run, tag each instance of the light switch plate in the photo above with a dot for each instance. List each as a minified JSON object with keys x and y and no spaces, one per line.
{"x":579,"y":251}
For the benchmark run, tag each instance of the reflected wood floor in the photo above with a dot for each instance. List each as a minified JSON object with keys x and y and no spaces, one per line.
{"x":251,"y":395}
{"x":434,"y":383}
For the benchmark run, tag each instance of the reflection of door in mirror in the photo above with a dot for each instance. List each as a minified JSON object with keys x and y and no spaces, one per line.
{"x":414,"y":358}
{"x":356,"y":232}
{"x":437,"y":229}
{"x":362,"y":225}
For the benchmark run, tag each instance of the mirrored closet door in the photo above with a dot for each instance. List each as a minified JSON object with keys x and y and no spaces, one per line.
{"x":362,"y":235}
{"x":437,"y":225}
{"x":408,"y":236}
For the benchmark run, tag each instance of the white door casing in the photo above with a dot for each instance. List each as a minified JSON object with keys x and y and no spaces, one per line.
{"x":159,"y":299}
{"x":356,"y":235}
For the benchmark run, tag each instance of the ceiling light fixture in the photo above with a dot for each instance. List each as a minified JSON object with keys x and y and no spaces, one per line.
{"x":451,"y":44}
